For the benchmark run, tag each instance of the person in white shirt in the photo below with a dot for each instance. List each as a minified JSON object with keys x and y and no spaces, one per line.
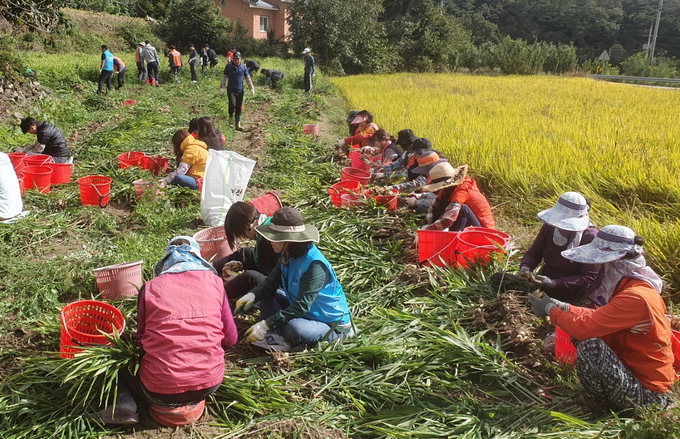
{"x":10,"y":195}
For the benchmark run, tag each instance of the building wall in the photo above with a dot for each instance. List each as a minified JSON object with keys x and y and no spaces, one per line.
{"x":250,"y":17}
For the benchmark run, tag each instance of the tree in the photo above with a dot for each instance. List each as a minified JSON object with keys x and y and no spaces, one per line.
{"x":194,"y":22}
{"x":40,"y":15}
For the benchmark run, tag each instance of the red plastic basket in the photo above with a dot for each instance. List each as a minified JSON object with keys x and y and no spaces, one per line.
{"x":83,"y":322}
{"x":343,"y":187}
{"x":437,"y":247}
{"x":131,"y":158}
{"x":17,"y":159}
{"x":675,"y":345}
{"x":267,"y":203}
{"x":353,"y":174}
{"x":61,"y":172}
{"x":389,"y":201}
{"x":506,"y":236}
{"x":478,"y":247}
{"x":120,"y":280}
{"x":356,"y":162}
{"x":565,"y":351}
{"x":155,"y":164}
{"x":95,"y":190}
{"x":38,"y":177}
{"x":311,"y":128}
{"x":177,"y":416}
{"x":352,"y":200}
{"x":129,"y":102}
{"x":213,"y":242}
{"x":38,"y":159}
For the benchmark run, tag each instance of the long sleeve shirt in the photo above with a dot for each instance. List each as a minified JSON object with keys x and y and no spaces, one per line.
{"x":53,"y":139}
{"x":310,"y":68}
{"x":311,"y":283}
{"x":411,"y":185}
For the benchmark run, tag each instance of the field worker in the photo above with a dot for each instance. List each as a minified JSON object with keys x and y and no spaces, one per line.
{"x":565,"y":225}
{"x":193,"y":63}
{"x":209,"y":134}
{"x":105,"y":70}
{"x":301,"y":301}
{"x":459,"y":201}
{"x":310,"y":69}
{"x":151,"y":58}
{"x":11,"y":204}
{"x":192,"y":156}
{"x":350,"y":117}
{"x":624,"y":356}
{"x":184,"y":325}
{"x":212,"y":56}
{"x":385,"y":147}
{"x":50,"y":140}
{"x":234,"y":74}
{"x":247,"y":267}
{"x":363,"y":133}
{"x":253,"y":66}
{"x":271,"y":76}
{"x":175,"y":62}
{"x":120,"y":69}
{"x":139,"y":60}
{"x":405,"y":139}
{"x":204,"y":58}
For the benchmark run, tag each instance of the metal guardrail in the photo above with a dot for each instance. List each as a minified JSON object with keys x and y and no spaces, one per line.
{"x":635,"y":78}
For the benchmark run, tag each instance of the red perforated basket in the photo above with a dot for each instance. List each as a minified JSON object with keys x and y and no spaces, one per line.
{"x":131,"y":158}
{"x":565,"y":351}
{"x":343,"y":187}
{"x":267,"y":203}
{"x":86,"y":323}
{"x":120,"y":280}
{"x":213,"y":242}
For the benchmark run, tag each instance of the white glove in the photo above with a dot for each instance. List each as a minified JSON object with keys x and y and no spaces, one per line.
{"x":379,"y":175}
{"x":244,"y":303}
{"x":341,"y":142}
{"x":252,"y":91}
{"x":257,"y":331}
{"x":231,"y":269}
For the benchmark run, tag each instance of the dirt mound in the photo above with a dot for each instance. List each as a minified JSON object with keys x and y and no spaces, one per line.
{"x":292,"y":428}
{"x":18,"y":98}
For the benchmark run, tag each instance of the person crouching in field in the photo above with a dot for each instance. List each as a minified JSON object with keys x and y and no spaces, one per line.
{"x":624,"y":354}
{"x":272,"y":77}
{"x":50,"y":140}
{"x":565,"y":225}
{"x":301,"y":301}
{"x":120,"y":69}
{"x":459,"y":202}
{"x":184,"y":325}
{"x":363,"y":133}
{"x":192,"y":156}
{"x":247,"y":267}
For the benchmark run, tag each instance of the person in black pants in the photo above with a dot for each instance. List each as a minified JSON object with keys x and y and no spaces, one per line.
{"x":310,"y":69}
{"x":233,"y":76}
{"x":193,"y":63}
{"x":254,"y":263}
{"x":272,"y":77}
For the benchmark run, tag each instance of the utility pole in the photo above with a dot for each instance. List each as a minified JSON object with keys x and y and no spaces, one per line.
{"x":656,"y":33}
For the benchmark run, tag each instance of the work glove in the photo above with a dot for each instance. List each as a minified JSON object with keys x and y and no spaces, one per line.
{"x":525,"y":271}
{"x":230,"y":270}
{"x":340,"y":143}
{"x":544,"y":282}
{"x":379,"y":175}
{"x":244,"y":303}
{"x":257,"y":331}
{"x":541,"y":305}
{"x":252,"y":91}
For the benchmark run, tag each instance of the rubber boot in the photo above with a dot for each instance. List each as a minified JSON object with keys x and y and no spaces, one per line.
{"x":237,"y":125}
{"x":125,"y":412}
{"x":231,"y":121}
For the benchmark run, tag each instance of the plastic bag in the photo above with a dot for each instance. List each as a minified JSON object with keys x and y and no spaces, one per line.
{"x":225,"y":181}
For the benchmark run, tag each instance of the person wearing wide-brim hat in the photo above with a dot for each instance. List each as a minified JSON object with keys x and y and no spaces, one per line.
{"x":301,"y":300}
{"x":565,"y":225}
{"x":459,"y":202}
{"x":624,"y":354}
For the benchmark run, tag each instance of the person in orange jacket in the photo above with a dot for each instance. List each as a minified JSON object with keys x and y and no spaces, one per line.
{"x":624,"y":353}
{"x":175,"y":60}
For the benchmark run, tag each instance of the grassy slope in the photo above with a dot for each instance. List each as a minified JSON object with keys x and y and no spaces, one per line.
{"x":417,"y":369}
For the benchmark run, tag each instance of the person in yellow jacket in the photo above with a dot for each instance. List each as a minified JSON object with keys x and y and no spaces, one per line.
{"x":192,"y":155}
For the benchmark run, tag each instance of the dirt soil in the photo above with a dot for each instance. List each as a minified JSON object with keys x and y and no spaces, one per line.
{"x":291,"y":429}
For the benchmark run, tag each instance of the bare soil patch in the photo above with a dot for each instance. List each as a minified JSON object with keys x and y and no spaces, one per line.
{"x":291,"y":429}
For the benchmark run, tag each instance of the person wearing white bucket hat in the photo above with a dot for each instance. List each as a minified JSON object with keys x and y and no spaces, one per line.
{"x":301,"y":301}
{"x":624,"y":352}
{"x":310,"y":69}
{"x":566,"y":225}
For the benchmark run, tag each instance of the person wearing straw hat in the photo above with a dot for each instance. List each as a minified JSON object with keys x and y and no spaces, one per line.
{"x":301,"y":301}
{"x":184,"y":324}
{"x":624,"y":354}
{"x":459,"y":202}
{"x":565,"y":225}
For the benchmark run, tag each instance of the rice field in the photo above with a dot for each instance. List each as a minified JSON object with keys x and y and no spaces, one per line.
{"x":528,"y":139}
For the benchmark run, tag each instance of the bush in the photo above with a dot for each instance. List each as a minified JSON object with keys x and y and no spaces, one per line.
{"x":11,"y":64}
{"x":599,"y":67}
{"x":636,"y":65}
{"x":134,"y":32}
{"x":561,"y":58}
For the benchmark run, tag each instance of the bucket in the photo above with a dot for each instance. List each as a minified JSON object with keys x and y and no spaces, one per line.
{"x":437,"y":247}
{"x":131,"y":158}
{"x":95,"y":190}
{"x":389,"y":201}
{"x":17,"y":159}
{"x":120,"y":280}
{"x":213,"y":242}
{"x":506,"y":236}
{"x":142,"y":187}
{"x":356,"y":162}
{"x":38,"y":177}
{"x":267,"y":203}
{"x":565,"y":351}
{"x":61,"y":172}
{"x":478,"y":247}
{"x":177,"y":416}
{"x":675,"y":345}
{"x":156,"y":164}
{"x":22,"y":188}
{"x":352,"y":200}
{"x":81,"y":323}
{"x":344,"y":187}
{"x":354,"y":174}
{"x":38,"y":159}
{"x":311,"y":128}
{"x":129,"y":102}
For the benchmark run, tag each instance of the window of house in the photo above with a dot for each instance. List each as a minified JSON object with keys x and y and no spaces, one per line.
{"x":264,"y":24}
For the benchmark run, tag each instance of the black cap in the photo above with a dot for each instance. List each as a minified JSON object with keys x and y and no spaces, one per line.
{"x":405,"y":138}
{"x":236,"y":55}
{"x":421,"y":144}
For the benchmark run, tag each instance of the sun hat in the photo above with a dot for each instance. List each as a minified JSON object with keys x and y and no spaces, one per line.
{"x":405,"y":138}
{"x":306,"y":51}
{"x":610,"y":244}
{"x":569,"y":213}
{"x":287,"y":224}
{"x":358,"y":119}
{"x":443,"y":175}
{"x":142,"y":44}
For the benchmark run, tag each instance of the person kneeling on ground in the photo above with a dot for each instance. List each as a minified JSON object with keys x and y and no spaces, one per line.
{"x":254,"y":263}
{"x":624,"y":355}
{"x":51,"y":140}
{"x":192,"y":156}
{"x":364,"y":132}
{"x":565,"y":225}
{"x":11,"y":204}
{"x":184,"y":324}
{"x":459,"y":201}
{"x":301,"y":301}
{"x":272,"y":77}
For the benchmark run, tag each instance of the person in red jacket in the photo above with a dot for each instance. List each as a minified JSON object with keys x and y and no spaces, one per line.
{"x":184,"y":324}
{"x":624,"y":355}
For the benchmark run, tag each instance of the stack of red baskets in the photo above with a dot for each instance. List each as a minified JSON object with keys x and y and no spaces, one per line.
{"x":460,"y":249}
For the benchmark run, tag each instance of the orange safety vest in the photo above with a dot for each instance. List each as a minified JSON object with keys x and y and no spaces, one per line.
{"x":137,"y":55}
{"x":176,"y":59}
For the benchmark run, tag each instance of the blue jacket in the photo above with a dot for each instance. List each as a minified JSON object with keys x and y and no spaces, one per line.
{"x":107,"y":57}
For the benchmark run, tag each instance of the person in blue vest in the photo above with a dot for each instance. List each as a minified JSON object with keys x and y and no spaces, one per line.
{"x":234,"y":73}
{"x":105,"y":70}
{"x":301,"y":301}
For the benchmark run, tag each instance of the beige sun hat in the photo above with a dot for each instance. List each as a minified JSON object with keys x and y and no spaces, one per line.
{"x":443,"y":175}
{"x":569,"y":213}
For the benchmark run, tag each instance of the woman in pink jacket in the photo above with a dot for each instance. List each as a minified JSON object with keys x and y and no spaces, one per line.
{"x":184,"y":323}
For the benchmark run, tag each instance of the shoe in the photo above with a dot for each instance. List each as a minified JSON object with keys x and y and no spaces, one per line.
{"x":119,"y":417}
{"x":231,"y":121}
{"x":274,"y":342}
{"x":194,"y":82}
{"x":239,"y":128}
